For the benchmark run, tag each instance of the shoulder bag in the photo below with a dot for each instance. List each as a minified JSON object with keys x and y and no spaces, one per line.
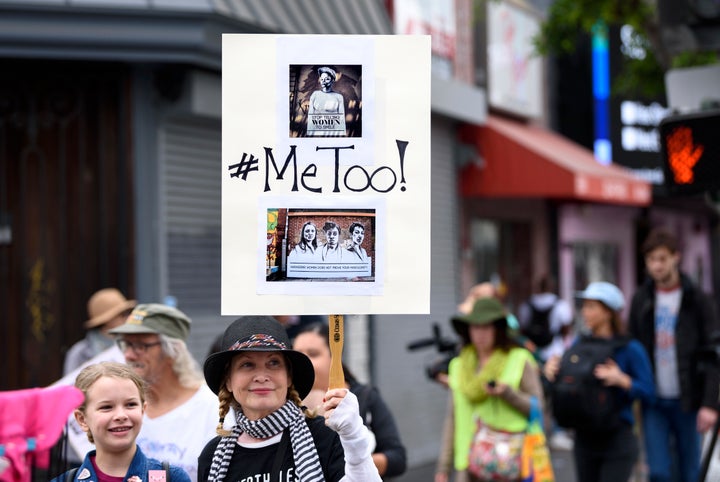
{"x":495,"y":454}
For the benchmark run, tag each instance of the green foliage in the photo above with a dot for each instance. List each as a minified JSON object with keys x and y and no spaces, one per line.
{"x":640,"y":78}
{"x":569,"y":18}
{"x":644,"y":77}
{"x":694,"y":59}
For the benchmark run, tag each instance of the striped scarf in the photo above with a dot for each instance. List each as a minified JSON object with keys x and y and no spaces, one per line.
{"x":307,"y":463}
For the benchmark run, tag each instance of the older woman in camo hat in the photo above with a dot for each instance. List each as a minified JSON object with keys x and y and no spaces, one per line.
{"x":273,"y":438}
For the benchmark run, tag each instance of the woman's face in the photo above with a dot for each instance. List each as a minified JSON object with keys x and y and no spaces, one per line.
{"x":326,"y":80}
{"x":595,"y":315}
{"x":358,"y":235}
{"x":259,"y":382}
{"x":314,"y":346}
{"x":309,"y":233}
{"x":482,"y":337}
{"x":113,"y":413}
{"x":332,"y":235}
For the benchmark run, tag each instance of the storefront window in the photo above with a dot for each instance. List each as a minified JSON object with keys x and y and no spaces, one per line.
{"x":502,"y":255}
{"x":485,"y":236}
{"x":595,"y":262}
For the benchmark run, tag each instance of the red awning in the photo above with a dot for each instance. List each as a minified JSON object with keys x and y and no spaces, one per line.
{"x":522,"y":160}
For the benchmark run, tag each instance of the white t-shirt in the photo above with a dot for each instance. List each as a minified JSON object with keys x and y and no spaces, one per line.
{"x":180,"y":435}
{"x":667,"y":304}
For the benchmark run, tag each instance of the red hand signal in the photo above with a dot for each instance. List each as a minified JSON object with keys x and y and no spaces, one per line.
{"x":682,"y":154}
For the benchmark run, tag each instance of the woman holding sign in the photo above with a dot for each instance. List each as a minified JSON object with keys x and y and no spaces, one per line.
{"x":258,"y":375}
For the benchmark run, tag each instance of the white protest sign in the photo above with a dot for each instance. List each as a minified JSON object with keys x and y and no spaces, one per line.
{"x":325,"y":174}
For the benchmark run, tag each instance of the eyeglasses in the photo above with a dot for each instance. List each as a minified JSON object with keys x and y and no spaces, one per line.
{"x":138,"y":347}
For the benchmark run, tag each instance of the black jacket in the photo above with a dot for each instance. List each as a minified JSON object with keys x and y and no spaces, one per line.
{"x":377,"y":416}
{"x":696,"y":322}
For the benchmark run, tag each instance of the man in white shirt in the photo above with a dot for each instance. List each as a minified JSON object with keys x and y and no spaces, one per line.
{"x":674,"y":320}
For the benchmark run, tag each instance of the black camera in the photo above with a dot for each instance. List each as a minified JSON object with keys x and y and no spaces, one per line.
{"x":446,"y":348}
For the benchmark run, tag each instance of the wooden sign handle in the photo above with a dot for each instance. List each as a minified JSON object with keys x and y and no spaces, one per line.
{"x":337,"y":339}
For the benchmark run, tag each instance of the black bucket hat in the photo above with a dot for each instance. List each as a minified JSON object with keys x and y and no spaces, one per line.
{"x":258,"y":333}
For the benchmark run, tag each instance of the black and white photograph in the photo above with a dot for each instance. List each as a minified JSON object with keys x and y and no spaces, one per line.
{"x":325,"y":100}
{"x":318,"y":244}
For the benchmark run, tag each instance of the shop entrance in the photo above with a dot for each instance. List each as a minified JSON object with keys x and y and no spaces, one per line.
{"x":501,"y":253}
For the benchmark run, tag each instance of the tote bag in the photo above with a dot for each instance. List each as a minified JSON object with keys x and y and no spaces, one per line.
{"x":536,"y":465}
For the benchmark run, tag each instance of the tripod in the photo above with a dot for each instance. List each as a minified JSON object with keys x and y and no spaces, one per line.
{"x":708,"y":455}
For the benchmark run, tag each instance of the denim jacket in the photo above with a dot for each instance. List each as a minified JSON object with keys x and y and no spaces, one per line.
{"x":139,"y":466}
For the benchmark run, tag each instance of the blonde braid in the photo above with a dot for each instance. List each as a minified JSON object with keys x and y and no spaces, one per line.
{"x":294,"y":396}
{"x":225,"y":398}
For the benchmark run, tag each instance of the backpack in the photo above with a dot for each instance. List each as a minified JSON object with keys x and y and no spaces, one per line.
{"x":579,"y":399}
{"x":538,"y":330}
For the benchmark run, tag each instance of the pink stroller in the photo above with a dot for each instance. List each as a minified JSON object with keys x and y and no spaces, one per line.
{"x":31,"y":422}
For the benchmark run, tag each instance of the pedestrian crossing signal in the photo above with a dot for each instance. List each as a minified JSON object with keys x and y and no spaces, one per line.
{"x":690,"y":145}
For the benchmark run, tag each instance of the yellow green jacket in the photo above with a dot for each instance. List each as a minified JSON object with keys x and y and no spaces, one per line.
{"x":494,"y":411}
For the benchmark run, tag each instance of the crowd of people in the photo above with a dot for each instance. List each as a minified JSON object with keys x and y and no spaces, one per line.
{"x":650,"y":361}
{"x":261,"y":406}
{"x":242,"y":416}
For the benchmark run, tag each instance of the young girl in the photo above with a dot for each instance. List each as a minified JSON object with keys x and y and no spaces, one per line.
{"x":112,"y":416}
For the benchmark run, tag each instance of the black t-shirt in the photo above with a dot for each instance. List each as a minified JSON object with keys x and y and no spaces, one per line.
{"x":251,"y":464}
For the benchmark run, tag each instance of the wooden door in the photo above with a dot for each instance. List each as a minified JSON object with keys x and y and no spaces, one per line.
{"x":65,"y":208}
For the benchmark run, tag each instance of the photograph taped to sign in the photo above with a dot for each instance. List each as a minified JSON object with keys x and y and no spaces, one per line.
{"x":290,"y":165}
{"x":325,"y":100}
{"x":330,"y":84}
{"x":315,"y":249}
{"x":328,"y":244}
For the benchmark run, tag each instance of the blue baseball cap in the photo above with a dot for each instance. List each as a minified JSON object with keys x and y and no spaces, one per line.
{"x":607,"y":293}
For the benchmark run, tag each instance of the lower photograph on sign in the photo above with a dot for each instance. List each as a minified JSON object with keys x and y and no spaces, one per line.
{"x":317,"y":244}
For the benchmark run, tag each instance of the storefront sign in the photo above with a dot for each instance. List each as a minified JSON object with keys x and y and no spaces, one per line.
{"x":634,"y":121}
{"x":430,"y":17}
{"x":514,"y":72}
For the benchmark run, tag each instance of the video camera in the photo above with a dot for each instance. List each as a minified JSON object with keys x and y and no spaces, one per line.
{"x":446,"y":348}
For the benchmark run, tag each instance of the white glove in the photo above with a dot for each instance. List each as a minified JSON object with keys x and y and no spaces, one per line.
{"x":346,"y":421}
